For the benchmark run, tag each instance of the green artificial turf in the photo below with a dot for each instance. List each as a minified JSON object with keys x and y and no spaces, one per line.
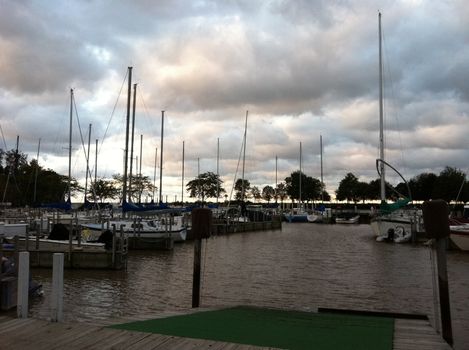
{"x":276,"y":328}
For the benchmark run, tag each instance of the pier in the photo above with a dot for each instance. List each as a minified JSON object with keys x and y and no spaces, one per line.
{"x":408,"y":334}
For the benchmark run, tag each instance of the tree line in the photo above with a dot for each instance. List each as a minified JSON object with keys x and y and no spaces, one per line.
{"x":24,"y":183}
{"x":450,"y":185}
{"x":27,"y":183}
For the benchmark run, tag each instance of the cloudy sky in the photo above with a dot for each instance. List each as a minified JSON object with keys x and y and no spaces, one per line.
{"x":301,"y":68}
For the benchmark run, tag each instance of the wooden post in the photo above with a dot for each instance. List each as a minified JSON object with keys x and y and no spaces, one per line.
{"x":201,"y":228}
{"x":23,"y":285}
{"x":196,"y":275}
{"x":435,"y":216}
{"x":57,"y":287}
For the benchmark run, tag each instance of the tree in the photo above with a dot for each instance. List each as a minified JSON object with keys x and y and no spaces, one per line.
{"x":139,"y":184}
{"x":348,"y":188}
{"x":268,"y":193}
{"x":241,"y":185}
{"x":18,"y":185}
{"x":325,"y":196}
{"x":422,"y":186}
{"x":448,"y":184}
{"x":281,"y":192}
{"x":311,"y":188}
{"x":105,"y":189}
{"x":256,"y":193}
{"x":205,"y":185}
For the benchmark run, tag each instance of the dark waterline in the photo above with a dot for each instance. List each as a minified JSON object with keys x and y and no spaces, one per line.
{"x":302,"y":267}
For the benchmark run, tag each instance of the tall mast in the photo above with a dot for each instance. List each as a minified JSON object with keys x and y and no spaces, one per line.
{"x":381,"y":121}
{"x":218,"y":168}
{"x":276,"y":183}
{"x":132,"y":142}
{"x":161,"y":155}
{"x":126,"y":150}
{"x":70,"y":149}
{"x":87,"y":162}
{"x":140,"y":169}
{"x":244,"y":155}
{"x":154,"y":173}
{"x":37,"y":169}
{"x":300,"y":174}
{"x":96,"y":164}
{"x":182,"y":181}
{"x":322,"y":180}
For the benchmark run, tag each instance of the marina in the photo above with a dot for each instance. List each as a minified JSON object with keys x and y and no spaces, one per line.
{"x":302,"y":267}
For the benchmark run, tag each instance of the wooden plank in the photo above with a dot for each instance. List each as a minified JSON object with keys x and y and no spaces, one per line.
{"x":59,"y":335}
{"x":41,"y":334}
{"x":152,"y":341}
{"x":417,"y":334}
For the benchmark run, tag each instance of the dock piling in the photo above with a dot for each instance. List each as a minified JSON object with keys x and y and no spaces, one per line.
{"x":435,"y":216}
{"x":201,"y":227}
{"x":23,"y":285}
{"x":57,"y":287}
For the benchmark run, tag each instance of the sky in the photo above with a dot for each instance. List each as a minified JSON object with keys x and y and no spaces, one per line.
{"x":302,"y":69}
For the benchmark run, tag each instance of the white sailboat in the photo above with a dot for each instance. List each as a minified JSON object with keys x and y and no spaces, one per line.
{"x":392,"y":222}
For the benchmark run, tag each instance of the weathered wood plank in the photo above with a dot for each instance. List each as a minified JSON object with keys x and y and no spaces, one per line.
{"x":43,"y":335}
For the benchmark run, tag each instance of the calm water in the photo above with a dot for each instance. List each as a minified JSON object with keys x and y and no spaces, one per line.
{"x":303,"y":267}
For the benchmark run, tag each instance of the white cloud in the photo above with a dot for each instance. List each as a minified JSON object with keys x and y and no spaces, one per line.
{"x":302,"y":69}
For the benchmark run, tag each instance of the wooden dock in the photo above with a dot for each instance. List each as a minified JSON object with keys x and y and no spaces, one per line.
{"x":409,"y":334}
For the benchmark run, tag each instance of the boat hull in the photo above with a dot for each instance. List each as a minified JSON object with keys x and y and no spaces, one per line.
{"x":460,"y":237}
{"x":351,"y":220}
{"x":389,"y":229}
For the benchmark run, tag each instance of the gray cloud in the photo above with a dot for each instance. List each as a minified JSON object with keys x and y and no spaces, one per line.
{"x":301,"y":68}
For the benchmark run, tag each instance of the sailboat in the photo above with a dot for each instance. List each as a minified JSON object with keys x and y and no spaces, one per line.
{"x":169,"y":223}
{"x":392,"y":222}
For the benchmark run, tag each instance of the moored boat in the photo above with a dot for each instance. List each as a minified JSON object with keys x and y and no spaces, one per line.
{"x":347,"y":218}
{"x":459,"y":236}
{"x":172,"y":226}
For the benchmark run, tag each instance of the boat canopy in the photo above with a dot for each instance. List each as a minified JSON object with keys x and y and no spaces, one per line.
{"x":132,"y":207}
{"x":60,"y":205}
{"x":387,"y":208}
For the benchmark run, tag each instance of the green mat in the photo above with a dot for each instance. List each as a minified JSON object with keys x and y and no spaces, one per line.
{"x":276,"y":328}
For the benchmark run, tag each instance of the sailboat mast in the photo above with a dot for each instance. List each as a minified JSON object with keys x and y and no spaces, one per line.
{"x":126,"y":150}
{"x":96,"y":163}
{"x":300,"y":174}
{"x":70,"y":149}
{"x":87,"y":162}
{"x":154,"y":173}
{"x":37,"y":170}
{"x":218,"y":168}
{"x":276,"y":177}
{"x":244,"y":155}
{"x":161,"y":156}
{"x":322,"y":179}
{"x":182,"y":181}
{"x":381,"y":121}
{"x":140,"y":169}
{"x":132,"y":143}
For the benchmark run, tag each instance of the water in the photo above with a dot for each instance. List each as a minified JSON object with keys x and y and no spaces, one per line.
{"x":302,"y":267}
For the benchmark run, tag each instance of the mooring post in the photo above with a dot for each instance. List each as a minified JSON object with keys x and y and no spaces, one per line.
{"x":23,"y":285}
{"x":201,"y":228}
{"x":435,"y":217}
{"x":57,"y":287}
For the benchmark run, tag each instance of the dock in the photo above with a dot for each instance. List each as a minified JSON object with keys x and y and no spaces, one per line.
{"x":39,"y":334}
